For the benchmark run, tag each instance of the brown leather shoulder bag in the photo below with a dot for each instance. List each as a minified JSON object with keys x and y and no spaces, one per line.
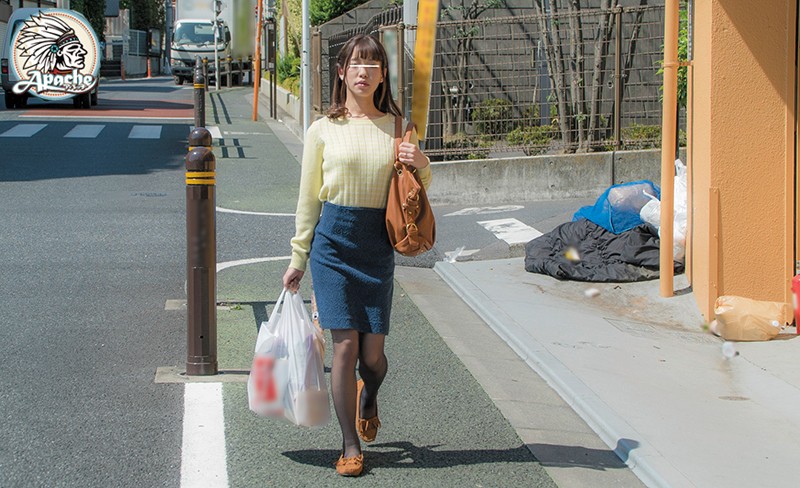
{"x":409,"y":219}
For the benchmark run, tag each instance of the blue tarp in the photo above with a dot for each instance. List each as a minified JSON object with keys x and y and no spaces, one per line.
{"x":617,"y":209}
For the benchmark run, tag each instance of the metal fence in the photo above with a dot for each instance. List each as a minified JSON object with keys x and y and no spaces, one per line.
{"x":532,"y":84}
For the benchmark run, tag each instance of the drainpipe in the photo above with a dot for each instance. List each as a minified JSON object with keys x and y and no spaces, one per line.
{"x":669,"y":126}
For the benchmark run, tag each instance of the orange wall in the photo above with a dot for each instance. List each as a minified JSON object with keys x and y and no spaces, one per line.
{"x":743,"y":121}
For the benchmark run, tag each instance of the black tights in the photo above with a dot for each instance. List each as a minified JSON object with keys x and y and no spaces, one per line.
{"x":351,"y":347}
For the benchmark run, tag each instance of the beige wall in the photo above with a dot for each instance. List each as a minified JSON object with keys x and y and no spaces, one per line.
{"x":742,"y":150}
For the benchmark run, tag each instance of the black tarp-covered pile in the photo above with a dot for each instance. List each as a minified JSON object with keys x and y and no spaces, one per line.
{"x":606,"y":242}
{"x":584,"y":251}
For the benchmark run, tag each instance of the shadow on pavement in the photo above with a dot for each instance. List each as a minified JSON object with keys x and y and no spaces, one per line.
{"x":407,"y":455}
{"x":560,"y":456}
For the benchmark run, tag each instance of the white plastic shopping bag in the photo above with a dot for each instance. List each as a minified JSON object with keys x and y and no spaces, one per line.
{"x":288,"y":377}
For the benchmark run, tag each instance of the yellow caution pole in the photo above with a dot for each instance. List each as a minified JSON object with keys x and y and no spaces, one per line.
{"x":427,"y":16}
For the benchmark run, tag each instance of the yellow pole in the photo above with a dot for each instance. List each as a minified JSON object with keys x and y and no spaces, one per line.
{"x":257,"y":60}
{"x":669,"y":125}
{"x":428,"y":14}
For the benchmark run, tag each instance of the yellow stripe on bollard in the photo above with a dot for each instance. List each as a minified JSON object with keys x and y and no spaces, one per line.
{"x":201,"y":177}
{"x":428,"y":14}
{"x":200,"y":85}
{"x":192,"y":181}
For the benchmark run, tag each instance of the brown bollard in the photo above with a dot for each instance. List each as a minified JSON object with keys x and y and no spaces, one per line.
{"x":241,"y":72}
{"x":200,"y":137}
{"x":205,"y":69}
{"x":228,"y":74}
{"x":199,"y":95}
{"x":201,"y":263}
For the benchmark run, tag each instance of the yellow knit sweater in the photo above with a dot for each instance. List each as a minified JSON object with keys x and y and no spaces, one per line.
{"x":346,"y":162}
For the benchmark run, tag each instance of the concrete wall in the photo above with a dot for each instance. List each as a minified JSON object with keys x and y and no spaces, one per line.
{"x":290,"y":108}
{"x":743,"y":150}
{"x":506,"y":180}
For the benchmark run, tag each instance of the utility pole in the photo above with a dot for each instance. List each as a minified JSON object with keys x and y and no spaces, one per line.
{"x":218,"y":6}
{"x":305,"y":72}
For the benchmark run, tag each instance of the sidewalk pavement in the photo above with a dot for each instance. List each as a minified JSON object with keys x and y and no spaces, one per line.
{"x":645,"y":376}
{"x":639,"y":369}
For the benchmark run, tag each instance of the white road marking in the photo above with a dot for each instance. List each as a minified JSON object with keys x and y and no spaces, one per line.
{"x":23,"y":130}
{"x":85,"y":131}
{"x":212,"y":129}
{"x":511,"y":230}
{"x":204,"y":461}
{"x":240,"y":262}
{"x":484,"y":210}
{"x":145,"y":132}
{"x":463,"y":252}
{"x":102,"y":117}
{"x":247,"y":212}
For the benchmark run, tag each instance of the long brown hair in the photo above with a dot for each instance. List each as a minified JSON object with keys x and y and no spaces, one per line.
{"x":368,"y":48}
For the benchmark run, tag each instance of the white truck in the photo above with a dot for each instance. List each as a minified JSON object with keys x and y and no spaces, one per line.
{"x":193,"y":35}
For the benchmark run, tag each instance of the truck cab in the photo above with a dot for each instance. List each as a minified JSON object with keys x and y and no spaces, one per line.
{"x":195,"y":37}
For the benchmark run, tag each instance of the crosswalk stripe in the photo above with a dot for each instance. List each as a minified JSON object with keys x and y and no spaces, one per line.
{"x":23,"y":130}
{"x":85,"y":131}
{"x":203,"y":457}
{"x":511,"y":230}
{"x":145,"y":132}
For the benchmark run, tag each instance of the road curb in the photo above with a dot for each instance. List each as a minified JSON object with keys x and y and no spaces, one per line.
{"x":641,"y":458}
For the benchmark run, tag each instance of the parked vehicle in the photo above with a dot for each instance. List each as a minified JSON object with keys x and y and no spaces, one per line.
{"x":193,"y":35}
{"x":51,"y":54}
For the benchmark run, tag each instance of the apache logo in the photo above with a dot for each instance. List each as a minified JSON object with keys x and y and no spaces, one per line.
{"x":55,"y":56}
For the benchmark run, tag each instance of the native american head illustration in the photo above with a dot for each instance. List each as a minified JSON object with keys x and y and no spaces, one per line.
{"x":50,"y":45}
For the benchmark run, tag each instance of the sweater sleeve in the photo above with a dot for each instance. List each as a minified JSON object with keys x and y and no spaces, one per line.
{"x":308,"y":202}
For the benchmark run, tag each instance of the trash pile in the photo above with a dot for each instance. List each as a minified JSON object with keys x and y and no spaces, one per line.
{"x":614,"y":240}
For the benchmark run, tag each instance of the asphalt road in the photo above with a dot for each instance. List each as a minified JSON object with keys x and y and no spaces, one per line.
{"x":93,"y":245}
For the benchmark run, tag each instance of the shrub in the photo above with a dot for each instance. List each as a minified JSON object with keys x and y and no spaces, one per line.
{"x":288,"y":66}
{"x":493,"y":117}
{"x":534,"y":140}
{"x":472,"y":147}
{"x":640,"y":136}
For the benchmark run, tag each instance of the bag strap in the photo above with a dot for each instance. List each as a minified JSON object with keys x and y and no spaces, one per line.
{"x":399,"y":136}
{"x":398,"y":127}
{"x":410,"y":127}
{"x":278,"y":304}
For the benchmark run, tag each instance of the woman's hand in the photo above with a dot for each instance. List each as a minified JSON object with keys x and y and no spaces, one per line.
{"x":291,"y":279}
{"x":411,"y":155}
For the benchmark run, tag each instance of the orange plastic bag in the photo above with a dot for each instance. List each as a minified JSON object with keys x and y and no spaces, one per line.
{"x":743,"y":319}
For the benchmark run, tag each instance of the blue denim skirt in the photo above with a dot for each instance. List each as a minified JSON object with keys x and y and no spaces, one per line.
{"x":352,"y":269}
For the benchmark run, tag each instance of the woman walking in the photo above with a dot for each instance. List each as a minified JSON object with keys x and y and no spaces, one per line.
{"x":348,"y":160}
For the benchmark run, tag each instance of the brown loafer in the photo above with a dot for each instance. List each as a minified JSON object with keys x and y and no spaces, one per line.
{"x":351,"y":466}
{"x":367,"y":428}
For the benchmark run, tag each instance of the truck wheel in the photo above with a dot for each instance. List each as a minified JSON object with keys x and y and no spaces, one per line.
{"x":179,"y":80}
{"x":10,"y":100}
{"x":86,"y":101}
{"x":76,"y":101}
{"x":94,"y":98}
{"x":22,"y":101}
